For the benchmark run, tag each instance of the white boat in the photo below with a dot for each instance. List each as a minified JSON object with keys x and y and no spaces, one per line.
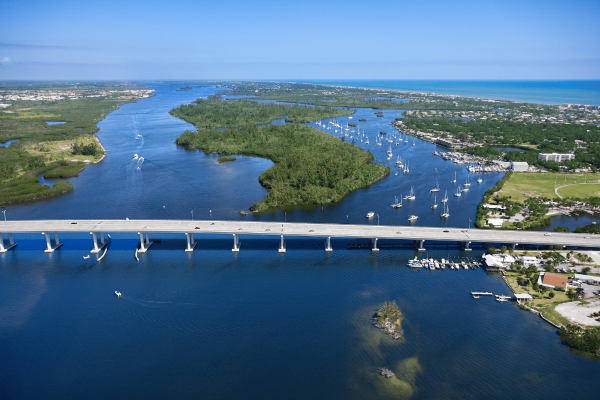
{"x":454,"y":180}
{"x":479,"y":180}
{"x":118,"y":293}
{"x":415,"y":263}
{"x":399,"y":161}
{"x":457,"y":194}
{"x":434,"y":206}
{"x":411,"y":196}
{"x":446,"y":213}
{"x":445,"y":199}
{"x":135,"y":156}
{"x":467,"y":183}
{"x":412,"y":217}
{"x":396,"y":204}
{"x":436,"y":188}
{"x":465,"y":189}
{"x":406,"y":169}
{"x":370,"y":214}
{"x":86,"y":257}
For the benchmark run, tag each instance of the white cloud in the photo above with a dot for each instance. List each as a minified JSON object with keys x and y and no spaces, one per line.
{"x":5,"y":60}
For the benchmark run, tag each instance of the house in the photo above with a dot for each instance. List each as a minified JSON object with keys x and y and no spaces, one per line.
{"x":528,"y":260}
{"x":523,"y":297}
{"x":552,"y":280}
{"x":495,"y":222}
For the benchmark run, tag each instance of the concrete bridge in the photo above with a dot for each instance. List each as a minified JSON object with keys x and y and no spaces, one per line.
{"x":192,"y":229}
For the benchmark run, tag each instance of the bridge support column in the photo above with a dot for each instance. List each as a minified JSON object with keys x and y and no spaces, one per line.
{"x":190,"y":242}
{"x":97,"y":249}
{"x":282,"y":245}
{"x":465,"y":246}
{"x":236,"y":243}
{"x":145,"y":242}
{"x":374,"y":244}
{"x":328,"y":245}
{"x":514,"y":245}
{"x":11,"y":243}
{"x":419,"y":244}
{"x":49,"y":247}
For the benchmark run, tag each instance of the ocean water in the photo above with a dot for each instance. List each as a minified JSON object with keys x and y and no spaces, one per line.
{"x":541,"y":92}
{"x":258,"y":324}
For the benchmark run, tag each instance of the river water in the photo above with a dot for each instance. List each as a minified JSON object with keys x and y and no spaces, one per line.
{"x":259,"y":324}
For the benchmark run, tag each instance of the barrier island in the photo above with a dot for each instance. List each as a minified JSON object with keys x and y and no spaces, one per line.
{"x":311,"y":167}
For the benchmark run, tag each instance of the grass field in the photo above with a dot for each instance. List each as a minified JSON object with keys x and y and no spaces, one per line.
{"x":580,"y":191}
{"x":522,"y":185}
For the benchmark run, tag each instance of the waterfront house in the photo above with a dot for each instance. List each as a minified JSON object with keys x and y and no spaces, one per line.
{"x":495,"y":222}
{"x":552,"y":280}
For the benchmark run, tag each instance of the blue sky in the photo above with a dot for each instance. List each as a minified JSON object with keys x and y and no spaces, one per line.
{"x":299,"y":40}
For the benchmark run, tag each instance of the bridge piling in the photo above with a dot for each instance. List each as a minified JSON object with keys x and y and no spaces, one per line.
{"x":465,"y":246}
{"x":11,"y":243}
{"x":97,"y":249}
{"x":374,"y":244}
{"x":191,"y":244}
{"x":328,"y":245}
{"x":145,"y":242}
{"x":419,"y":244}
{"x":282,"y":245}
{"x":236,"y":243}
{"x":49,"y":247}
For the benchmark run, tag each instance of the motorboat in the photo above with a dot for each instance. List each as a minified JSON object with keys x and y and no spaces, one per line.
{"x":86,"y":257}
{"x":118,"y":293}
{"x":370,"y":214}
{"x":412,"y":217}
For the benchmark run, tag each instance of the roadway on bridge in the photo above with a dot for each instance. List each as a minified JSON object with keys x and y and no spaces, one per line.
{"x":303,"y":229}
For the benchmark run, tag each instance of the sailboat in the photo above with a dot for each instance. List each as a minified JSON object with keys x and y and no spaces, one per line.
{"x":396,"y":204}
{"x":434,"y":206}
{"x":479,"y":180}
{"x":446,"y":213}
{"x":411,"y":196}
{"x":398,"y":161}
{"x":454,"y":181}
{"x":436,"y":188}
{"x":445,"y":199}
{"x":406,"y":170}
{"x":467,"y":183}
{"x":414,"y":141}
{"x":367,"y":141}
{"x":389,"y":152}
{"x":457,"y":194}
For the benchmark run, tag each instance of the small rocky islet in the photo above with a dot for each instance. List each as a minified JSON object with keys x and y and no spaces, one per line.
{"x":388,"y":319}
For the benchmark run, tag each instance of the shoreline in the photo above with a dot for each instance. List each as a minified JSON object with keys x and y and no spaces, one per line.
{"x":452,"y":95}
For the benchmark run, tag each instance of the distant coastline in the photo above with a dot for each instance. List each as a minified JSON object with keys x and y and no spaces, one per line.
{"x":530,"y":91}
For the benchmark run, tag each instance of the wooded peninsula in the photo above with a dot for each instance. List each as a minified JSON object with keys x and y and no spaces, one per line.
{"x":311,"y":167}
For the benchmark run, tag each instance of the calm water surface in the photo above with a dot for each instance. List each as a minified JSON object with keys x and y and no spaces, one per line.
{"x":258,"y":324}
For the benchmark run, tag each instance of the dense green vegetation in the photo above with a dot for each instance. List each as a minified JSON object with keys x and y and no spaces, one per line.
{"x":591,"y":228}
{"x":23,"y":161}
{"x":224,"y":159}
{"x":533,"y":138}
{"x":587,"y":339}
{"x":311,"y":167}
{"x":389,"y":311}
{"x":216,"y":113}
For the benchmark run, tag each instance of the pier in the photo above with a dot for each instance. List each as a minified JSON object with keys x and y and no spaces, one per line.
{"x":194,"y":229}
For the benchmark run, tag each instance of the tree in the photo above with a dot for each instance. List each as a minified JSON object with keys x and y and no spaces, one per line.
{"x":586,"y":270}
{"x":572,"y":295}
{"x":551,"y":295}
{"x":503,"y":249}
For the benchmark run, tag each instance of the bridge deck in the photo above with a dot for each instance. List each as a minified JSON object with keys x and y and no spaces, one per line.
{"x":303,"y":229}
